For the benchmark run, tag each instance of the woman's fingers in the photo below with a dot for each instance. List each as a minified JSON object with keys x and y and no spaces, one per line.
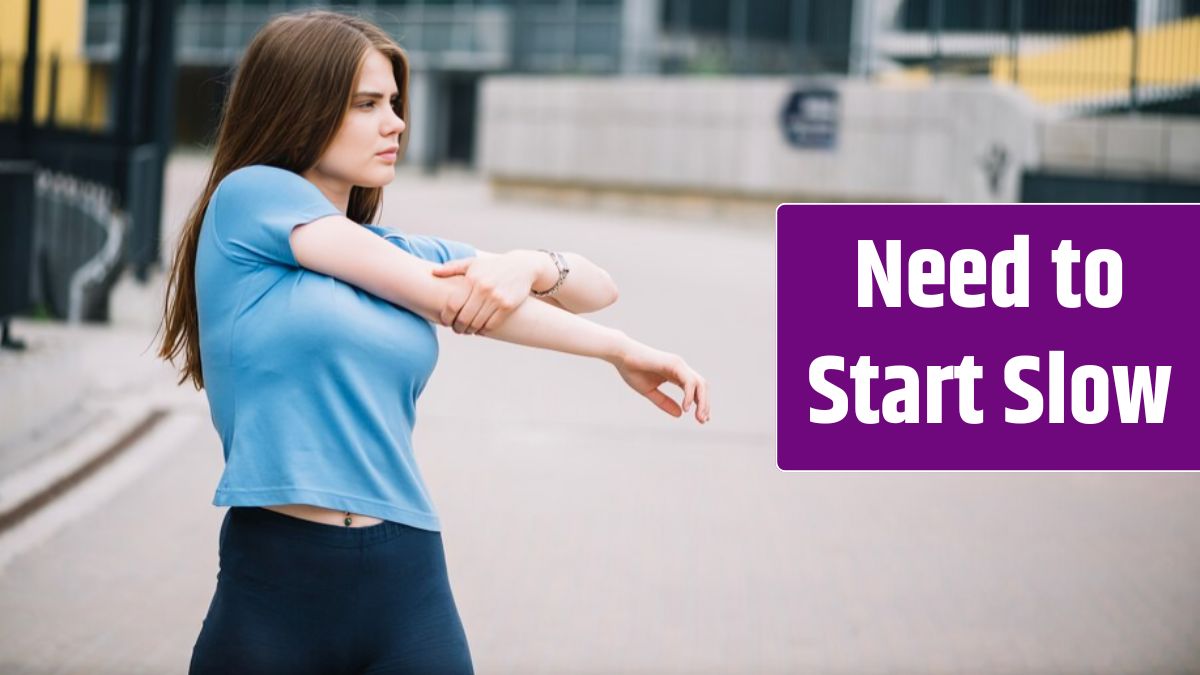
{"x":469,"y":310}
{"x":665,"y":402}
{"x":646,"y":373}
{"x":493,"y":304}
{"x":689,"y":393}
{"x":485,"y":314}
{"x":683,"y":376}
{"x":695,"y":392}
{"x":493,"y":321}
{"x":452,"y":267}
{"x":453,"y":306}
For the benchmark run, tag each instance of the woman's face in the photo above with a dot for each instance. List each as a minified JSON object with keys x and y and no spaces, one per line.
{"x":370,"y":127}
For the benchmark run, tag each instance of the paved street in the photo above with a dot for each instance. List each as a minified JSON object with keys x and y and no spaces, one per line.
{"x":587,"y":532}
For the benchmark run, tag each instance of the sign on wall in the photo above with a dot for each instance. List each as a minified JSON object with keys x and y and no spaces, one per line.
{"x":810,"y":118}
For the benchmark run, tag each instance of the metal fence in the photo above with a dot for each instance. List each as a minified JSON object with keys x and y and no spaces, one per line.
{"x":79,"y":236}
{"x":1077,"y":55}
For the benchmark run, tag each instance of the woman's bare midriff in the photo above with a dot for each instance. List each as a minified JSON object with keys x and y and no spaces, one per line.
{"x":319,"y":514}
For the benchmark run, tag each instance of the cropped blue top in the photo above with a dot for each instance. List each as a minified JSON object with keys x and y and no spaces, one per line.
{"x":312,"y":383}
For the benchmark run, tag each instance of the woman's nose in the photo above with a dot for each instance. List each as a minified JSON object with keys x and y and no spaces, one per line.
{"x":395,"y":124}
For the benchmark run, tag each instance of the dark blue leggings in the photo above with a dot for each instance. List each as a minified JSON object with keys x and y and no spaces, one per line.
{"x":295,"y":596}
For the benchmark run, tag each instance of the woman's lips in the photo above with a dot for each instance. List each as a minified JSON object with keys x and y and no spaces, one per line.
{"x":389,"y":156}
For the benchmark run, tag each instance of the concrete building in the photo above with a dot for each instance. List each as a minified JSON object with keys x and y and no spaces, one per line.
{"x":453,"y":44}
{"x":983,"y":87}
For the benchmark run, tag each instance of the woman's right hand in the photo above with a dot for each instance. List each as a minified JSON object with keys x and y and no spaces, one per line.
{"x":644,"y":369}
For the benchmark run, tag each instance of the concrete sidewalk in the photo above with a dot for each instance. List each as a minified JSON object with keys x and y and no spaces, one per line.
{"x":75,"y":394}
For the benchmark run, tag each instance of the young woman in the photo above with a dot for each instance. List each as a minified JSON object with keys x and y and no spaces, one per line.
{"x":311,"y":332}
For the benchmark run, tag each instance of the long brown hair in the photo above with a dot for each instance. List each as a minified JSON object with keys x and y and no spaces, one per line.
{"x":290,"y":93}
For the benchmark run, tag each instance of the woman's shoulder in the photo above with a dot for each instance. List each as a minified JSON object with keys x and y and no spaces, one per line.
{"x":265,"y":185}
{"x":256,"y":174}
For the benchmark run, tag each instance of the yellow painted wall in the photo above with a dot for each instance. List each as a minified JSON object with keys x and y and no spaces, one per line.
{"x":1100,"y":65}
{"x":61,"y":33}
{"x":12,"y":48}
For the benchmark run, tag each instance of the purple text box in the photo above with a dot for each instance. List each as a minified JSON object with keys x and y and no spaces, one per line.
{"x":1154,"y":324}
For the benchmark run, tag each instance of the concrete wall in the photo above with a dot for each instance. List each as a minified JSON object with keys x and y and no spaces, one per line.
{"x":965,"y":141}
{"x":945,"y":141}
{"x":1136,"y":146}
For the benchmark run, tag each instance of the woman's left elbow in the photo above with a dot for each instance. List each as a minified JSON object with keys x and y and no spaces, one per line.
{"x":600,"y":301}
{"x":612,"y":295}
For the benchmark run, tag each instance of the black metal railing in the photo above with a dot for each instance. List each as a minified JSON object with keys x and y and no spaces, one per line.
{"x":84,"y":136}
{"x":79,"y":237}
{"x":1080,"y":55}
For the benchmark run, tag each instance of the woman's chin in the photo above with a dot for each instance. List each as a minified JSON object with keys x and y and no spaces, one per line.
{"x":378,"y":178}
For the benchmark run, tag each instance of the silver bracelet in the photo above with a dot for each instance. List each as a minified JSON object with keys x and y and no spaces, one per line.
{"x":563,"y":271}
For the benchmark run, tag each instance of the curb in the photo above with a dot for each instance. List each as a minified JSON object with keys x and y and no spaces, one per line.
{"x":30,"y":488}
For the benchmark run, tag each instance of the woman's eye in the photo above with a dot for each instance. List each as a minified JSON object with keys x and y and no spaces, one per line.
{"x":371,"y":104}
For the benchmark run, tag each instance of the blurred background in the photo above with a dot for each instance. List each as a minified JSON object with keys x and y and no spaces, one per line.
{"x":717,"y":105}
{"x":585,"y":531}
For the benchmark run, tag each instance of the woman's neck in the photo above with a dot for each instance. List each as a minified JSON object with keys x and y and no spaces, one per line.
{"x":336,"y":191}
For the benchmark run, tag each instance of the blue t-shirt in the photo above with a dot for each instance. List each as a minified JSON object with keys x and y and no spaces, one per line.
{"x":312,"y":382}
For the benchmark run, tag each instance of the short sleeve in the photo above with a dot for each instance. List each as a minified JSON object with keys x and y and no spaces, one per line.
{"x":258,"y":206}
{"x":438,"y":250}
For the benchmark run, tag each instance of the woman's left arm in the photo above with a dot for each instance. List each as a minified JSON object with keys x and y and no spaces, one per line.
{"x":513,"y":275}
{"x":587,"y":288}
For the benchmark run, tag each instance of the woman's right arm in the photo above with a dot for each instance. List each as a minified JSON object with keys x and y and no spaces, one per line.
{"x":340,"y":248}
{"x":645,"y":369}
